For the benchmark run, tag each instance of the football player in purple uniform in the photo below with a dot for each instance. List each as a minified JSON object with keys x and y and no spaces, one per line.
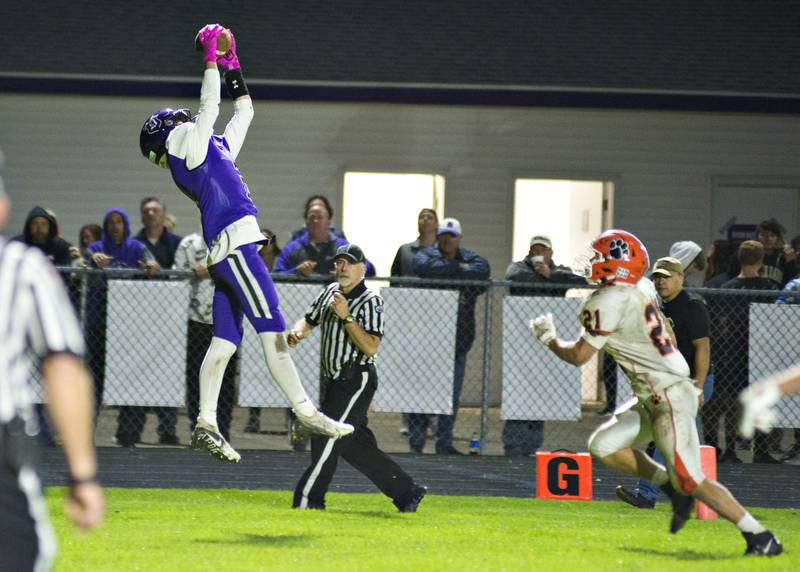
{"x":203,"y":167}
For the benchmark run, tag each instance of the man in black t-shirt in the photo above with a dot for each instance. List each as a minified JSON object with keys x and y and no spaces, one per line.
{"x":731,"y":335}
{"x":688,"y":318}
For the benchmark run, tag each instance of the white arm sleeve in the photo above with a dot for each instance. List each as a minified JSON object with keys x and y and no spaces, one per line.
{"x":237,"y":127}
{"x":189,"y":141}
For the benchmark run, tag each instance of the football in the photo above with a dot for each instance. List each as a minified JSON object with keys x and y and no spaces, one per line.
{"x":223,"y":43}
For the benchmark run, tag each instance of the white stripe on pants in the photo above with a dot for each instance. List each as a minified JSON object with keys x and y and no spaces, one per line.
{"x":326,"y":453}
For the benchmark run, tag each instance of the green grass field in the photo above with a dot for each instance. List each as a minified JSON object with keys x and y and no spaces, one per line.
{"x":199,"y":530}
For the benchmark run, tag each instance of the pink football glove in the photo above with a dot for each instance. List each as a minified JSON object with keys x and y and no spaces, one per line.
{"x":206,"y":40}
{"x":230,"y":61}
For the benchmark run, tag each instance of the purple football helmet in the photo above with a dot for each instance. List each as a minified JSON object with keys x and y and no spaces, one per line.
{"x":153,"y":139}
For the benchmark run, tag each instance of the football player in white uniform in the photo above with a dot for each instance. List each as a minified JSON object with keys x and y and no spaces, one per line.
{"x":758,"y":400}
{"x":622,"y":316}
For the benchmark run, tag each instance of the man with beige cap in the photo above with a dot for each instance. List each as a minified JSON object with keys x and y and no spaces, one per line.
{"x":522,"y":437}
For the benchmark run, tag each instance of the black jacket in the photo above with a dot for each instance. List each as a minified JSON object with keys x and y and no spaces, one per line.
{"x":55,"y":248}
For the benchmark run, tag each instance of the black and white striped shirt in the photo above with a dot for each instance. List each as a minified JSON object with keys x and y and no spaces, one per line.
{"x":36,"y":320}
{"x":338,"y":350}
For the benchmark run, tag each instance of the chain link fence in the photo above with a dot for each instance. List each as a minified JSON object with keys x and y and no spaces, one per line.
{"x":458,"y":370}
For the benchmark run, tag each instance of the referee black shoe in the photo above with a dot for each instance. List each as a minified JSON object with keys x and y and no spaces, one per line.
{"x":409,"y":501}
{"x":762,"y":544}
{"x":681,"y":507}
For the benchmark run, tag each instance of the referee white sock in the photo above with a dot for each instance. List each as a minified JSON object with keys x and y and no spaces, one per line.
{"x":214,"y":363}
{"x":281,"y":366}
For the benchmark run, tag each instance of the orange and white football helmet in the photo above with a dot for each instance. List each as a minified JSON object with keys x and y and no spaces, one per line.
{"x":615,"y":256}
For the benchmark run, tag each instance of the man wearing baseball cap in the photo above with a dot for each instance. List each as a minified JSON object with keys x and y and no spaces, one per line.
{"x":538,"y":267}
{"x":447,"y":260}
{"x":523,"y":437}
{"x":688,"y":317}
{"x":351,"y":317}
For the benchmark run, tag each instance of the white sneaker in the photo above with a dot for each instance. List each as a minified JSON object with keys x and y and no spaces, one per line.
{"x":323,"y":425}
{"x":207,"y":438}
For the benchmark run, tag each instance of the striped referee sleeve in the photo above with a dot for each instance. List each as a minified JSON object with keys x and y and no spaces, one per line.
{"x":372,"y":312}
{"x":320,"y":304}
{"x":54,"y":327}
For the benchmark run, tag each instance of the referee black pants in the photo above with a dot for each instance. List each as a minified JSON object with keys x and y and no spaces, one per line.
{"x":347,"y":399}
{"x":27,"y":541}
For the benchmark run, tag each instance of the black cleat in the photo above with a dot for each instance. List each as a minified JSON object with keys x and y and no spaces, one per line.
{"x":633,"y":498}
{"x":681,"y":507}
{"x":762,"y":544}
{"x":409,"y":501}
{"x":766,"y":458}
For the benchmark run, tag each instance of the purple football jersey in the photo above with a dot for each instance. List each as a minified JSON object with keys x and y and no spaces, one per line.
{"x":216,"y":187}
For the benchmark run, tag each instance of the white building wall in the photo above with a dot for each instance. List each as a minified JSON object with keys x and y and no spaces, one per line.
{"x":79,"y":155}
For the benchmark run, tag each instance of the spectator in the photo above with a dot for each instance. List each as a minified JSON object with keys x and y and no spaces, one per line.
{"x":448,"y":260}
{"x":191,"y":255}
{"x":538,"y":268}
{"x":88,"y":234}
{"x":720,"y":254}
{"x":693,"y":260}
{"x":689,"y":320}
{"x":162,"y":244}
{"x":779,"y":266}
{"x":269,"y":254}
{"x":792,"y":296}
{"x":114,"y":250}
{"x":154,"y":234}
{"x":792,"y":287}
{"x":41,"y":231}
{"x":312,"y":253}
{"x":524,"y":437}
{"x":403,"y":264}
{"x":730,"y":346}
{"x":427,"y":223}
{"x":270,"y":251}
{"x":318,"y":200}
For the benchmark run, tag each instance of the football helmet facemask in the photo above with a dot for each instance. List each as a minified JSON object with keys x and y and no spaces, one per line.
{"x":153,"y":138}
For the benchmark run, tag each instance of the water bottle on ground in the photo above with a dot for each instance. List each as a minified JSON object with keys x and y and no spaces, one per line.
{"x":474,"y":445}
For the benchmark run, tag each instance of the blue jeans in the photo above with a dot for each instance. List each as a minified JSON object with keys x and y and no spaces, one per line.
{"x":418,"y":422}
{"x":650,"y":490}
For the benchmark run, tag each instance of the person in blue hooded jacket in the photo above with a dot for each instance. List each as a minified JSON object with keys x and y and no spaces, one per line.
{"x":114,"y":250}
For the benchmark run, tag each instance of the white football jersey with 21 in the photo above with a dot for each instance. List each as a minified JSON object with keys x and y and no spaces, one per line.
{"x":625,"y":320}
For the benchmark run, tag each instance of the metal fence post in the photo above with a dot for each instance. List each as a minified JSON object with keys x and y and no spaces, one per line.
{"x":82,"y":302}
{"x":487,"y":368}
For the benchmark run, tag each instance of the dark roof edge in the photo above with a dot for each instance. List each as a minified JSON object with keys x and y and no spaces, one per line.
{"x":428,"y":94}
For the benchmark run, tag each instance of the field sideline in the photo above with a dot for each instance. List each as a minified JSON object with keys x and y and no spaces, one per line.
{"x":199,"y":530}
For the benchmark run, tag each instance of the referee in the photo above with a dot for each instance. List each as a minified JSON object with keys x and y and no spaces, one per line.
{"x":351,"y":317}
{"x":37,"y":319}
